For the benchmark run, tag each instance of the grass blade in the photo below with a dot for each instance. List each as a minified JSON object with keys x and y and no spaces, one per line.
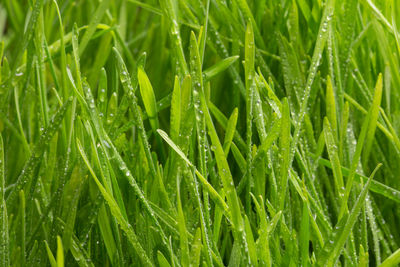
{"x":334,"y":246}
{"x":149,"y":100}
{"x":392,"y":260}
{"x":4,"y":242}
{"x":38,"y":151}
{"x":115,"y":210}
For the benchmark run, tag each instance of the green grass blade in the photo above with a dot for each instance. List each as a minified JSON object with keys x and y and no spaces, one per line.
{"x":149,"y":100}
{"x":230,"y":131}
{"x":4,"y":243}
{"x":52,"y":260}
{"x":376,"y":186}
{"x":392,"y":260}
{"x":319,"y":48}
{"x":115,"y":210}
{"x":95,"y":19}
{"x":162,"y":261}
{"x":370,"y":121}
{"x":60,"y":252}
{"x":332,"y":249}
{"x":38,"y":151}
{"x":176,"y":110}
{"x":334,"y":157}
{"x":376,"y":102}
{"x":219,"y":67}
{"x":130,"y":91}
{"x":250,"y":87}
{"x":331,"y":107}
{"x":214,"y":194}
{"x":197,"y":86}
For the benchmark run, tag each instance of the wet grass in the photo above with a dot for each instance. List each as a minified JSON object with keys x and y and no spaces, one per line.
{"x":199,"y":133}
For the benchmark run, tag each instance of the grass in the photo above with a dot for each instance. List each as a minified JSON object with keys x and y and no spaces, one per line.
{"x":199,"y":133}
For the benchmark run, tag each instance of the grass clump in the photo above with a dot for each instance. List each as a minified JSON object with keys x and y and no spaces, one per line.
{"x":199,"y":133}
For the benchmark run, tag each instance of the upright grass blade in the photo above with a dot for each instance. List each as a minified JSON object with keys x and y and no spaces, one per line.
{"x":115,"y":210}
{"x":4,"y":242}
{"x":197,"y":86}
{"x":332,"y":249}
{"x":331,"y":107}
{"x":227,"y":180}
{"x":239,"y":162}
{"x":22,"y":230}
{"x":184,"y":244}
{"x":95,"y":19}
{"x":108,"y":144}
{"x":250,"y":86}
{"x":27,"y":35}
{"x":219,"y":200}
{"x":334,"y":157}
{"x":284,"y":142}
{"x":149,"y":100}
{"x":60,"y":252}
{"x":130,"y":91}
{"x":73,"y":194}
{"x":369,"y":125}
{"x":319,"y":48}
{"x":38,"y":151}
{"x":305,"y":235}
{"x":230,"y":131}
{"x":374,"y":111}
{"x":170,"y":10}
{"x":176,"y":114}
{"x":294,"y":80}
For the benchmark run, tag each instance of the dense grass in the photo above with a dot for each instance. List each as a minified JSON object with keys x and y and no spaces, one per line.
{"x":199,"y":133}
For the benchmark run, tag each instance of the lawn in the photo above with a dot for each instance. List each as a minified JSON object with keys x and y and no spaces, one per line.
{"x":199,"y":133}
